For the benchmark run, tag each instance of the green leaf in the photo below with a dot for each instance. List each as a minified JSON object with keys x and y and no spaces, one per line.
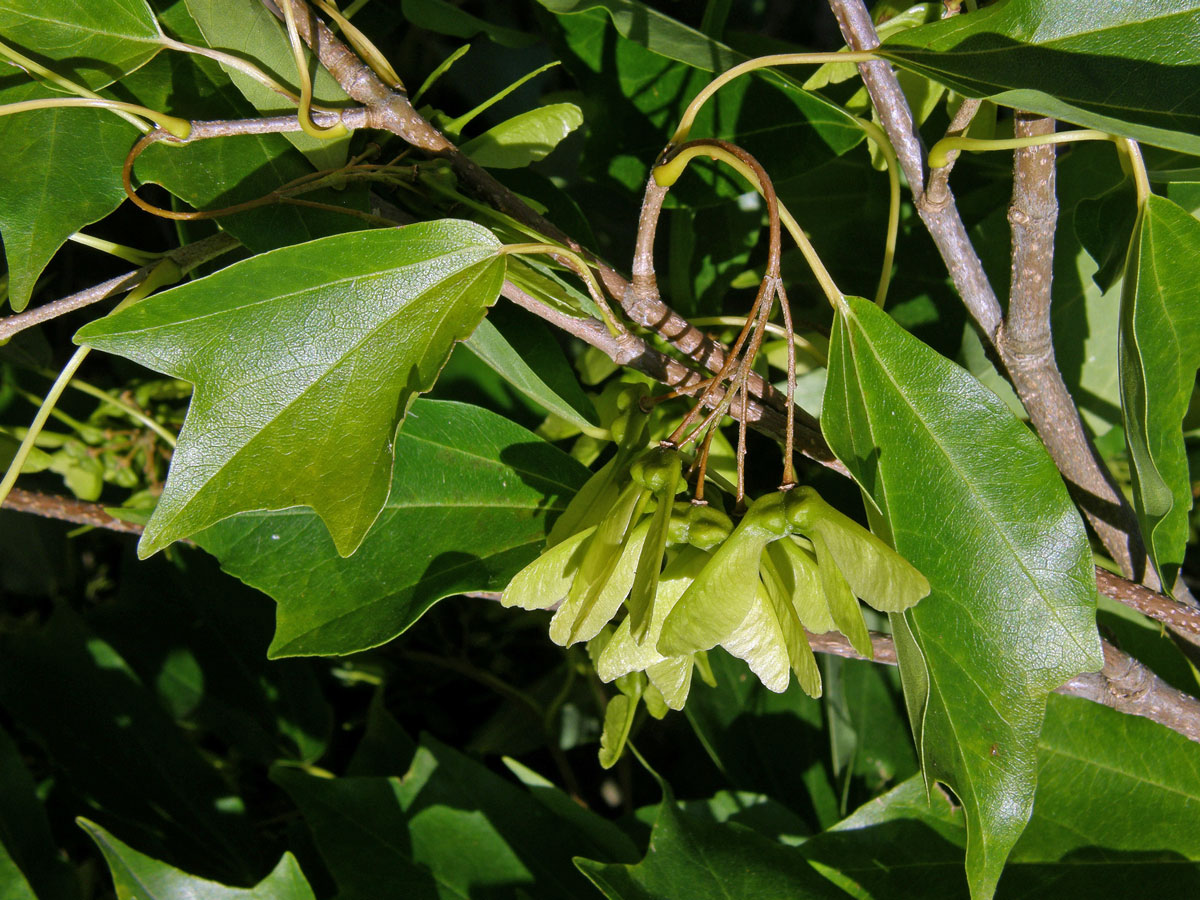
{"x":764,"y":741}
{"x":1143,"y":786}
{"x":246,"y":28}
{"x":13,"y":885}
{"x":1159,"y":353}
{"x":1117,"y":67}
{"x":448,"y":828}
{"x":1114,"y":817}
{"x":62,"y":171}
{"x":138,"y":877}
{"x":305,"y":361}
{"x":136,"y":769}
{"x":525,"y":138}
{"x":31,"y":865}
{"x":536,"y":369}
{"x":471,"y":494}
{"x":689,"y":857}
{"x":650,"y":42}
{"x":94,"y":43}
{"x":1011,"y":615}
{"x":444,"y":18}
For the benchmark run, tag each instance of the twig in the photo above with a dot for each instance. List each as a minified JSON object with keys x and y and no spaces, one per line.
{"x":391,"y":110}
{"x":1105,"y":507}
{"x":187,"y":257}
{"x":633,"y":351}
{"x":1027,"y":349}
{"x":941,"y":218}
{"x":66,"y":509}
{"x":1183,"y":620}
{"x":1124,"y":684}
{"x":939,"y":179}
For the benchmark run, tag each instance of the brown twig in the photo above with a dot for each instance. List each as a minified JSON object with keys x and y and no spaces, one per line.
{"x":1027,"y":348}
{"x":187,"y":257}
{"x":390,"y":110}
{"x":1183,"y":620}
{"x":941,"y":218}
{"x":1126,"y":685}
{"x":1066,"y":442}
{"x":66,"y":509}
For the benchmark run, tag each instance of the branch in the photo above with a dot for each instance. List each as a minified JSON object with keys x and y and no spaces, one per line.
{"x":390,"y":110}
{"x":1030,"y":366}
{"x":1124,"y":684}
{"x":941,"y":218}
{"x":1027,"y":349}
{"x":66,"y":509}
{"x":187,"y":257}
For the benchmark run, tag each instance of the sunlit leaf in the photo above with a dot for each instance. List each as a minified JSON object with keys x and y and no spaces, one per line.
{"x":1160,"y":352}
{"x":525,"y":138}
{"x":1011,"y":615}
{"x":139,"y":877}
{"x":305,"y":360}
{"x":1111,"y":66}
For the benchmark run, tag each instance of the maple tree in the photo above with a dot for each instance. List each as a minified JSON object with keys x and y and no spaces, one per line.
{"x":380,"y":347}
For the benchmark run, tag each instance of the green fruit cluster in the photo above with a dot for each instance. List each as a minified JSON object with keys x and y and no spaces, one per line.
{"x":688,"y":580}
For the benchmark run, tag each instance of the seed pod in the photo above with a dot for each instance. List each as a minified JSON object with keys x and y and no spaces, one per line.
{"x":773,"y":644}
{"x":659,"y":471}
{"x":589,"y":609}
{"x":547,"y":579}
{"x":724,"y":591}
{"x":794,"y":572}
{"x":846,"y":612}
{"x":875,"y":572}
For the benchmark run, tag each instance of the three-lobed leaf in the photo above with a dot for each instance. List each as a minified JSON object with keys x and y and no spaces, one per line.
{"x":1159,"y":356}
{"x":305,"y":360}
{"x":1011,"y":615}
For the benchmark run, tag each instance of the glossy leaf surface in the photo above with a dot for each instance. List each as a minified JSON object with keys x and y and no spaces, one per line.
{"x":139,"y":877}
{"x":689,"y":857}
{"x":1125,"y":68}
{"x":469,"y":506}
{"x":45,"y":195}
{"x":94,"y":43}
{"x":1012,"y":611}
{"x":1160,"y":352}
{"x":247,"y":29}
{"x":525,"y":138}
{"x":305,"y":360}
